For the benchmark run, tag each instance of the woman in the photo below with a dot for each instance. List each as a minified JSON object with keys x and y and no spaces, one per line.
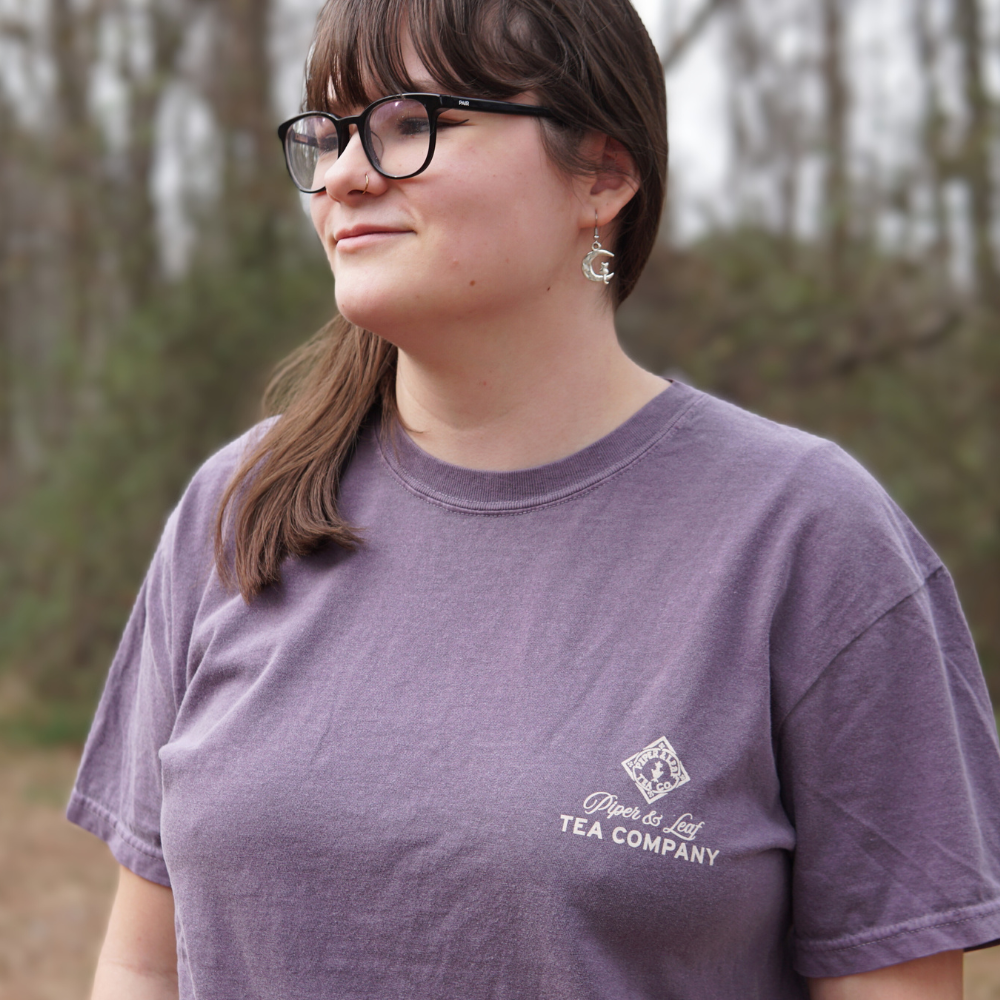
{"x":518,"y":671}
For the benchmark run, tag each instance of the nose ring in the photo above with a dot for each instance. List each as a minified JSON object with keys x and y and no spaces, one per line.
{"x":366,"y":185}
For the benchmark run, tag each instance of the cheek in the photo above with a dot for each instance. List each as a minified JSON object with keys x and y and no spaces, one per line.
{"x":493,"y":224}
{"x":319,"y":211}
{"x":511,"y":228}
{"x":484,"y":254}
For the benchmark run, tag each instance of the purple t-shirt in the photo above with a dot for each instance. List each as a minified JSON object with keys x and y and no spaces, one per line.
{"x":690,"y":714}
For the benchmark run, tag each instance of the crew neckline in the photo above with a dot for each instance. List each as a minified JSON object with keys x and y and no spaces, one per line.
{"x":477,"y":490}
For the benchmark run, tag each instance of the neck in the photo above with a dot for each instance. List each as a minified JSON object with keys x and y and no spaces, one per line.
{"x":508,"y":393}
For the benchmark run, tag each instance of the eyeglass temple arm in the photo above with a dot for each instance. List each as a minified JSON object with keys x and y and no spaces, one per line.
{"x":497,"y":107}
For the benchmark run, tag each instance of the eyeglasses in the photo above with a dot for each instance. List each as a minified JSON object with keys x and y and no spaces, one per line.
{"x":398,"y":134}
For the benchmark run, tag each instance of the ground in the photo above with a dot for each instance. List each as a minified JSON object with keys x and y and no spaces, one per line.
{"x":56,"y":884}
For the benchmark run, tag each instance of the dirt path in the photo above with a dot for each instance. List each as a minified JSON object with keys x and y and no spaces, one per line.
{"x":56,"y":884}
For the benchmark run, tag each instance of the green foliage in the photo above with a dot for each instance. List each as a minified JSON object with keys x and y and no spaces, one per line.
{"x":184,"y":375}
{"x":44,"y":723}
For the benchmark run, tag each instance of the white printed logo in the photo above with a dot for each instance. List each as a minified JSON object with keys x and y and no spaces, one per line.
{"x":656,"y":770}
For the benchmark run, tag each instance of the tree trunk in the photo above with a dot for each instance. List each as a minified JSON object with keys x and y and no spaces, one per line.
{"x":255,"y":195}
{"x":936,"y":161}
{"x":7,"y":458}
{"x":69,"y":42}
{"x":77,"y":162}
{"x":136,"y":211}
{"x":976,"y":158}
{"x":836,"y":193}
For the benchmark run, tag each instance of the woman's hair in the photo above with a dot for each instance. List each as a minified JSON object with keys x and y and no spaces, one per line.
{"x":593,"y":65}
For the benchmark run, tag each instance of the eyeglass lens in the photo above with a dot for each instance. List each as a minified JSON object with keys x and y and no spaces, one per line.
{"x":398,"y":135}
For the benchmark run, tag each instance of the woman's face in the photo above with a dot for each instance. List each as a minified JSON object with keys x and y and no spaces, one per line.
{"x":488,"y":228}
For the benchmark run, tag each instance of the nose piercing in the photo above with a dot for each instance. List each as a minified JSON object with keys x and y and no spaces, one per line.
{"x":366,"y":185}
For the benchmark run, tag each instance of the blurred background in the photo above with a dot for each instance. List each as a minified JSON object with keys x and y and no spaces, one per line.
{"x":829,"y":259}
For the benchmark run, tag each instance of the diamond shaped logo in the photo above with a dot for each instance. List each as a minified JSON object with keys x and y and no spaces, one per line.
{"x":656,"y":770}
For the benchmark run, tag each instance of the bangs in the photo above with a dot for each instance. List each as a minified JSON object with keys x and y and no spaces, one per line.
{"x":474,"y":49}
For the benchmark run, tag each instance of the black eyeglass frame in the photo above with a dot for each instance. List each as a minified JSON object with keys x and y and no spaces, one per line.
{"x":433,"y":103}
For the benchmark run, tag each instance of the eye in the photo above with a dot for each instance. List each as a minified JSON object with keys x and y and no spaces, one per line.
{"x":445,"y":122}
{"x":413,"y":125}
{"x":321,"y":133}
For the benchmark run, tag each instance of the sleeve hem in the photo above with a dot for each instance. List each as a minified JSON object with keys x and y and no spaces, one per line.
{"x":965,"y":928}
{"x":134,"y":854}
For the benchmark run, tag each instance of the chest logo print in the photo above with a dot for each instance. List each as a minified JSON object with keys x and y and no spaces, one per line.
{"x":656,"y":770}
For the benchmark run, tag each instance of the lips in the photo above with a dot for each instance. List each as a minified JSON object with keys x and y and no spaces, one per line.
{"x":368,"y":229}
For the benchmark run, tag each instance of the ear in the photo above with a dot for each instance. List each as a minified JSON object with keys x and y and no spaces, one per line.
{"x":614,"y":182}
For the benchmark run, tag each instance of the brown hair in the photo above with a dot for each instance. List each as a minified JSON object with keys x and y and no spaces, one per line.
{"x":592,"y":63}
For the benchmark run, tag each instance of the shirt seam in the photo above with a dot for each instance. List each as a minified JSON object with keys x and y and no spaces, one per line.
{"x":847,"y":645}
{"x":979,"y":911}
{"x":680,"y":419}
{"x":120,"y":826}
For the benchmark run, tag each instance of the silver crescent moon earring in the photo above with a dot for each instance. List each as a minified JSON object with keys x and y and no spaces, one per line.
{"x":601,"y":274}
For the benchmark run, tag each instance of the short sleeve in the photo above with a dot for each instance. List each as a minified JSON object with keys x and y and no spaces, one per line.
{"x":890,"y":773}
{"x":118,"y":790}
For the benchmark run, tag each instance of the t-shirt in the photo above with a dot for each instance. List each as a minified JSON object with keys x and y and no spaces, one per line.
{"x":690,"y":714}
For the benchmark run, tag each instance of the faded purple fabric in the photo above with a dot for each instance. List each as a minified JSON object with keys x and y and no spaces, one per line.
{"x":690,"y":714}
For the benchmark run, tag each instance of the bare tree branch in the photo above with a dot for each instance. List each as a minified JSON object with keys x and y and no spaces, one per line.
{"x":17,"y":30}
{"x":694,"y":28}
{"x":892,"y":349}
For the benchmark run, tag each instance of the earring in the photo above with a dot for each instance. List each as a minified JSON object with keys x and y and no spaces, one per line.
{"x":602,"y":275}
{"x":366,"y":185}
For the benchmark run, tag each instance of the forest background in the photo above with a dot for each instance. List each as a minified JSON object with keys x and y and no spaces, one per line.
{"x":155,"y":263}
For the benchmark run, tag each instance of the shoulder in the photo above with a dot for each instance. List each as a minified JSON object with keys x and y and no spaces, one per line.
{"x":736,"y":442}
{"x":183,"y":566}
{"x":195,"y":514}
{"x":797,"y":486}
{"x":803,"y":530}
{"x":213,"y":476}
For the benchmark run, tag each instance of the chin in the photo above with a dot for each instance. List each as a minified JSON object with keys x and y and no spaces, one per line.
{"x":381,"y":307}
